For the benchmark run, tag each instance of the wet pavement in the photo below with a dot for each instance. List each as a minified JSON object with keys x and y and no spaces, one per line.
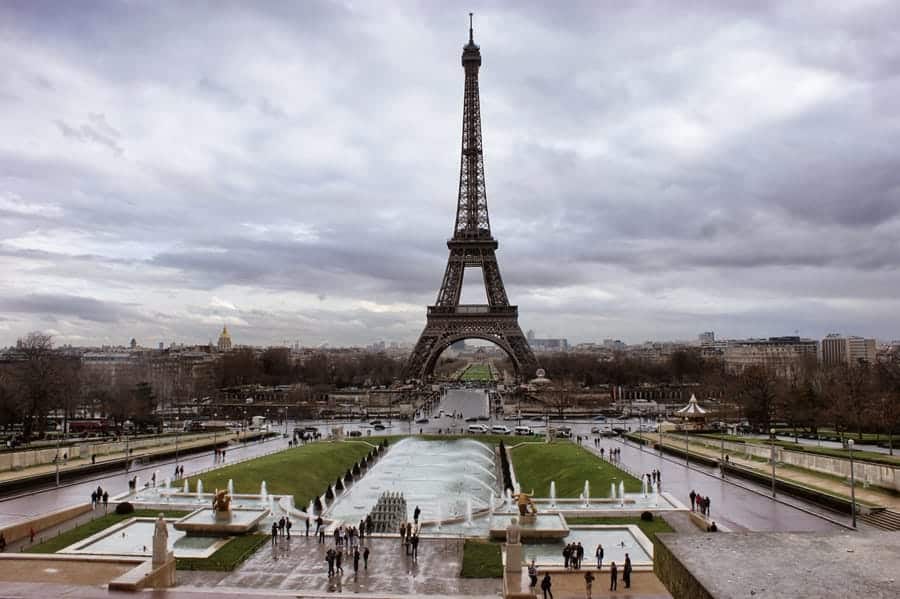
{"x":730,"y":504}
{"x":37,"y":502}
{"x":299,"y":564}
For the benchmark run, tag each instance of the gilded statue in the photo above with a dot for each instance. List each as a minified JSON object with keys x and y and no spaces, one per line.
{"x":221,"y":501}
{"x":526,"y":505}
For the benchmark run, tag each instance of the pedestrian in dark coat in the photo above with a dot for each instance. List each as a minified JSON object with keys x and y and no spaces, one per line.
{"x":545,"y":586}
{"x":588,"y":583}
{"x":626,"y":572}
{"x":307,"y":525}
{"x":693,"y":499}
{"x":613,"y":577}
{"x":274,"y":533}
{"x":366,"y":558}
{"x":356,"y":560}
{"x":415,"y":547}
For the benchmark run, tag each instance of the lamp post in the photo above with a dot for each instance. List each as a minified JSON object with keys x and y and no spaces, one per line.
{"x":722,"y":459}
{"x":176,"y":439}
{"x":687,"y":449}
{"x":659,"y":422}
{"x":57,"y":460}
{"x":852,"y":483}
{"x":772,"y":439}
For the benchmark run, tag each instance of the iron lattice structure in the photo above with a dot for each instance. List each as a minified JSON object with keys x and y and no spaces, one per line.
{"x":472,"y":245}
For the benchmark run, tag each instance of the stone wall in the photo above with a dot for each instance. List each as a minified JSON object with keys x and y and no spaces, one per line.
{"x":678,"y":579}
{"x":880,"y":475}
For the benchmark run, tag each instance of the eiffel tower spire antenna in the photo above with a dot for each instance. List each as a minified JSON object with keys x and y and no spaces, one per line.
{"x":471,"y":246}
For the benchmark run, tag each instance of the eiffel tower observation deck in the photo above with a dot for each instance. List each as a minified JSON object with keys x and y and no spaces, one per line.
{"x":471,"y":246}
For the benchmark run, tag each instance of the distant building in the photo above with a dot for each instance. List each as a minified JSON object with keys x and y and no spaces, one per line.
{"x":224,"y":340}
{"x":837,"y":349}
{"x":614,"y":344}
{"x":707,"y":338}
{"x":546,"y":345}
{"x":133,"y":343}
{"x":782,"y":354}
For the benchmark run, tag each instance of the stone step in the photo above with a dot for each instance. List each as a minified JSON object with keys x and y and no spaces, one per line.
{"x":885,"y":519}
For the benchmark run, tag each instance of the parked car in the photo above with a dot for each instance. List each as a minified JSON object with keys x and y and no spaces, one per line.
{"x":524,"y":430}
{"x":379,"y":427}
{"x":478,"y":429}
{"x":422,"y":420}
{"x":500,"y":429}
{"x":471,"y":419}
{"x":355,"y":433}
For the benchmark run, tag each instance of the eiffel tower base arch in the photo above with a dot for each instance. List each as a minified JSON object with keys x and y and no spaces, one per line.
{"x":443,"y":330}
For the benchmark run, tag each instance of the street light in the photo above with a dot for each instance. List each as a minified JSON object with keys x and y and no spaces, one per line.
{"x":687,"y":449}
{"x":176,"y":441}
{"x":772,"y":439}
{"x":57,"y":460}
{"x":852,"y":483}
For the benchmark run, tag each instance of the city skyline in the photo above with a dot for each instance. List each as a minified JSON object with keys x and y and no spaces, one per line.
{"x":652,"y":173}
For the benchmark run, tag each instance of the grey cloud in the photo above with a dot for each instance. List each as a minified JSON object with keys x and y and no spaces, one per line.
{"x":96,"y":130}
{"x":85,"y":308}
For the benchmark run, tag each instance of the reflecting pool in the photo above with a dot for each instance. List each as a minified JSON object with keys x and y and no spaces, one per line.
{"x":135,"y":537}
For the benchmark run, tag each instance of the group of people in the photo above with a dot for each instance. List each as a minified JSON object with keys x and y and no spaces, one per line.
{"x":349,"y":536}
{"x":218,"y":455}
{"x":699,"y":503}
{"x":654,"y":476}
{"x":573,"y":553}
{"x":612,"y":455}
{"x":282,"y":528}
{"x":98,"y":496}
{"x":589,"y":578}
{"x":334,"y":557}
{"x":179,"y":472}
{"x":409,"y":538}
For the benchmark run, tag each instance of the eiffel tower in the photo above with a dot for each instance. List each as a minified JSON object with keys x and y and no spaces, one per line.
{"x":472,"y":245}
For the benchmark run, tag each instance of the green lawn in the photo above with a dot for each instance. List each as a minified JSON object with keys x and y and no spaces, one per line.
{"x":93,"y":527}
{"x":304,"y":472}
{"x":227,"y":557}
{"x":650,"y":529}
{"x":569,"y":466}
{"x":481,"y":559}
{"x":477,"y":372}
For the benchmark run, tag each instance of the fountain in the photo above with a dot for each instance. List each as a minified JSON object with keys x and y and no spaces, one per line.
{"x":587,"y":493}
{"x":438,"y":515}
{"x":643,"y":487}
{"x":552,"y":493}
{"x":516,"y":488}
{"x":137,"y":482}
{"x":272,"y":504}
{"x":263,"y":493}
{"x":156,"y":479}
{"x":468,"y":510}
{"x":230,"y":487}
{"x":612,"y":490}
{"x":187,"y":487}
{"x":199,"y":489}
{"x":310,"y":509}
{"x":490,"y":504}
{"x":507,"y":499}
{"x":622,"y":493}
{"x":655,"y":494}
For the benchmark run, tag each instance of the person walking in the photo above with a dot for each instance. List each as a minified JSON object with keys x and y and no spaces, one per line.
{"x":322,"y":535}
{"x":599,"y":555}
{"x":567,"y":553}
{"x":281,"y":526}
{"x":579,"y":555}
{"x":105,"y":499}
{"x":365,"y":558}
{"x":287,"y":526}
{"x":403,"y":534}
{"x":693,"y":497}
{"x":532,"y":576}
{"x":318,"y":524}
{"x":356,"y":561}
{"x":546,"y":583}
{"x":415,"y":547}
{"x":588,"y":582}
{"x":93,"y":499}
{"x":416,"y":513}
{"x":613,"y":577}
{"x":339,"y":558}
{"x":307,"y":525}
{"x":329,"y":558}
{"x":626,"y":572}
{"x":274,"y":533}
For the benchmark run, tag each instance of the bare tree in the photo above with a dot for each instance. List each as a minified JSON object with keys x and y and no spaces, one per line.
{"x":759,"y":393}
{"x":889,"y":390}
{"x":36,"y":377}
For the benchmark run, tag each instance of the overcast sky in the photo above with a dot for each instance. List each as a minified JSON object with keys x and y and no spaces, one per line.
{"x":654,"y":169}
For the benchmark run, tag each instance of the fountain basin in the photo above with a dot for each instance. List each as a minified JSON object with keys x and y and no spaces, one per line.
{"x":546,"y":525}
{"x":639,"y":548}
{"x":207,"y":521}
{"x":134,"y":537}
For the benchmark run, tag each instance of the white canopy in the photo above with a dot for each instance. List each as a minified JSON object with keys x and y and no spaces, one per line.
{"x":692,"y":408}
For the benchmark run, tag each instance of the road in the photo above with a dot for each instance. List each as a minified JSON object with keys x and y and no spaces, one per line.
{"x":29,"y":504}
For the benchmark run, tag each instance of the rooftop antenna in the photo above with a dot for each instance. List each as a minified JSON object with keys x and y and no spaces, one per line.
{"x":471,"y":32}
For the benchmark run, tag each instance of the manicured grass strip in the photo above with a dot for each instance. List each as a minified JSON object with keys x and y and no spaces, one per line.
{"x":650,"y":529}
{"x":228,"y":557}
{"x":481,"y":559}
{"x":93,"y":527}
{"x":477,"y":372}
{"x":569,"y":466}
{"x":304,"y":472}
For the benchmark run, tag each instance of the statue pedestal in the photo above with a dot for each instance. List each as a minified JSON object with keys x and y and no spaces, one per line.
{"x":528,"y":519}
{"x":513,"y":557}
{"x":223,"y":516}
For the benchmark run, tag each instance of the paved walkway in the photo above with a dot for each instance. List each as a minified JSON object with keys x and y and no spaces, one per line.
{"x":186,"y":443}
{"x":808,"y":478}
{"x":299,"y":564}
{"x":571,"y":584}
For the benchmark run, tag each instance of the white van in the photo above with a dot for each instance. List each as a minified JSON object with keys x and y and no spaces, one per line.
{"x":524,"y":430}
{"x":478,"y":429}
{"x":500,"y":429}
